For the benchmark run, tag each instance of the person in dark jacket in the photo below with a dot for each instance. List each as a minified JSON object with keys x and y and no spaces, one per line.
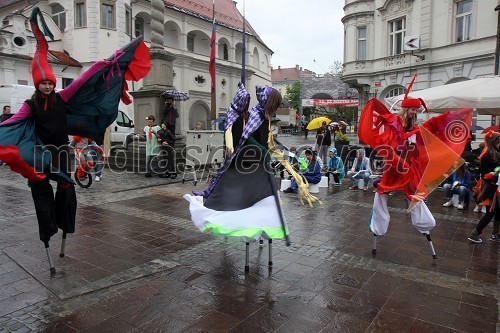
{"x":167,"y":140}
{"x":323,"y":141}
{"x":6,"y":114}
{"x":170,"y":114}
{"x":488,"y":193}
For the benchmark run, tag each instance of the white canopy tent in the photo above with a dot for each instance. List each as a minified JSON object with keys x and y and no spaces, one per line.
{"x":483,"y":94}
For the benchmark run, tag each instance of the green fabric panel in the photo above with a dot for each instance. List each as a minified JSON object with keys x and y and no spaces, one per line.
{"x":276,"y":232}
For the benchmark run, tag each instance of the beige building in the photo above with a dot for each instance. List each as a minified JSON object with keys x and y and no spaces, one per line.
{"x":388,"y":41}
{"x":88,"y":30}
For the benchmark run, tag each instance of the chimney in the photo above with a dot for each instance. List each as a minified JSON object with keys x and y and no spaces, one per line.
{"x":279,"y":67}
{"x":297,"y":67}
{"x":301,"y":69}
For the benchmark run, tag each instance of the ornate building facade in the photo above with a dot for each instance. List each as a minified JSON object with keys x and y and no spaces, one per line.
{"x":88,"y":30}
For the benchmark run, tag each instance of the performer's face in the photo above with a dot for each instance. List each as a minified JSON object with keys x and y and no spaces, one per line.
{"x":46,"y":87}
{"x":411,"y":112}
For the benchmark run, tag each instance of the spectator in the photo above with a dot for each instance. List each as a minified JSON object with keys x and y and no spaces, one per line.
{"x":152,"y":145}
{"x":323,"y":141}
{"x":312,"y":174}
{"x":167,"y":140}
{"x":488,"y":193}
{"x":98,"y":158}
{"x":335,"y":167}
{"x":6,"y":114}
{"x":458,"y":183}
{"x":170,"y":114}
{"x":199,"y":126}
{"x":360,"y":170}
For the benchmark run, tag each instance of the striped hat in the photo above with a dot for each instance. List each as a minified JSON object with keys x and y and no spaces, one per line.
{"x":40,"y":68}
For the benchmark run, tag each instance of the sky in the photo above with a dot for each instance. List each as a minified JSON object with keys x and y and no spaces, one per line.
{"x":299,"y":32}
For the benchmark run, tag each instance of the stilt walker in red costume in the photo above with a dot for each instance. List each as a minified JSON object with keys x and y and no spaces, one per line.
{"x":34,"y":141}
{"x":417,"y":157}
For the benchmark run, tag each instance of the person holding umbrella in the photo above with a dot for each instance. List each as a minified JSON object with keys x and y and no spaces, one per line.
{"x":170,"y":113}
{"x":323,"y":141}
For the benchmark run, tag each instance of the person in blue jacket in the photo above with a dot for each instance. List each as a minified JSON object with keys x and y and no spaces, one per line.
{"x":458,"y":183}
{"x":312,"y":174}
{"x":335,"y":167}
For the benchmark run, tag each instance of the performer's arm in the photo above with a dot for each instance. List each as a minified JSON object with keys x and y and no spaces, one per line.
{"x":229,"y":140}
{"x":70,"y":90}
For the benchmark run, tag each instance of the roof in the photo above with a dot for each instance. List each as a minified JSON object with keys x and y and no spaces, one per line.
{"x":226,"y":13}
{"x":289,"y":74}
{"x":65,"y":58}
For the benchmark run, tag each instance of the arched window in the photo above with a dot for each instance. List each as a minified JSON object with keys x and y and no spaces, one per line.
{"x":59,"y":16}
{"x":226,"y":51}
{"x":395,"y":92}
{"x":139,"y":27}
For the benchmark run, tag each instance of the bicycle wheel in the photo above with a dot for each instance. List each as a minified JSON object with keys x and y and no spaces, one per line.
{"x":85,"y":183}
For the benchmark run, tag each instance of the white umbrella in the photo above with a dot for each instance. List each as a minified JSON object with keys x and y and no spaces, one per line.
{"x":482,"y":94}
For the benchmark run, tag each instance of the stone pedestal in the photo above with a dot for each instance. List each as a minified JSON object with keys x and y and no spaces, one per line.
{"x":148,"y":100}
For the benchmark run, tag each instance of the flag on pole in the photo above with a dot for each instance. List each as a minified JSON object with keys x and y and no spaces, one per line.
{"x":211,"y":67}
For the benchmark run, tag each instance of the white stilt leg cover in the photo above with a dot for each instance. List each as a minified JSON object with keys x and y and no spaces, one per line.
{"x":380,"y":218}
{"x":421,"y":218}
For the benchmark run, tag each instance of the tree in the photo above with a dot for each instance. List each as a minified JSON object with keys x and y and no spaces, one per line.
{"x":293,"y":95}
{"x":336,"y":68}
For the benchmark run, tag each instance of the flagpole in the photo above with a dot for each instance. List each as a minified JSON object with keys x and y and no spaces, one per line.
{"x":213,"y":106}
{"x":243,"y":48}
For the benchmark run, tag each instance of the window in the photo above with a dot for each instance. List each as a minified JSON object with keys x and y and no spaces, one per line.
{"x":226,"y":52}
{"x":128,"y":21}
{"x":395,"y":92}
{"x":80,"y":15}
{"x":66,"y":82}
{"x":107,"y":15}
{"x":462,"y":20}
{"x":59,"y":16}
{"x":190,"y":42}
{"x":139,"y":27}
{"x":397,"y":29}
{"x":362,"y":43}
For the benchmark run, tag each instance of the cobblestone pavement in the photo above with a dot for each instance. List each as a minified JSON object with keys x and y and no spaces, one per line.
{"x":137,"y":264}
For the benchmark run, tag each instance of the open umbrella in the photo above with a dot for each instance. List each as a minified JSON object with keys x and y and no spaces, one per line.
{"x":176,"y":95}
{"x":316,"y":123}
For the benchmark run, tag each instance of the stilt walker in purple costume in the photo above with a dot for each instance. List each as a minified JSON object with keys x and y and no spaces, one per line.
{"x":242,"y":200}
{"x":34,"y":141}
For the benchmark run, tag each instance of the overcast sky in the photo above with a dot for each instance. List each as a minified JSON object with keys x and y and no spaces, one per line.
{"x":298,"y":32}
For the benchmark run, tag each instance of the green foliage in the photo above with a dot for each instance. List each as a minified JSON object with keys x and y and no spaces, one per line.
{"x":293,"y":95}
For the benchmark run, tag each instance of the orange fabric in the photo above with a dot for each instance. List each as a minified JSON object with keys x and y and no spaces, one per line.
{"x":416,"y":168}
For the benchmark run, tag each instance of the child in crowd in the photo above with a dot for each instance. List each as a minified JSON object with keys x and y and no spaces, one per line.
{"x":312,"y":174}
{"x":360,"y":170}
{"x":458,"y":183}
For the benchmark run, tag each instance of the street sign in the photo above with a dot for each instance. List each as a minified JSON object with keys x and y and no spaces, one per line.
{"x":411,"y":43}
{"x":330,"y":102}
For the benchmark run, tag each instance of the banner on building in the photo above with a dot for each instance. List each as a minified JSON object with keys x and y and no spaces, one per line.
{"x":329,"y":102}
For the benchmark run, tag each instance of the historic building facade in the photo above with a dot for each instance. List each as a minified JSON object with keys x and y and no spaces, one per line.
{"x":388,"y":41}
{"x":88,"y":30}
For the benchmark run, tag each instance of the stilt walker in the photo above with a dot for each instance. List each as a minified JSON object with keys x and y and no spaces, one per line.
{"x":417,"y":157}
{"x":34,"y":141}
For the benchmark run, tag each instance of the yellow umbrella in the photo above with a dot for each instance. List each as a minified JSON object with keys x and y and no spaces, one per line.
{"x":316,"y":123}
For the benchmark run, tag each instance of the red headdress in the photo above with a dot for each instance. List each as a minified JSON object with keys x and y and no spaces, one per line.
{"x":409,"y":102}
{"x":40,"y":68}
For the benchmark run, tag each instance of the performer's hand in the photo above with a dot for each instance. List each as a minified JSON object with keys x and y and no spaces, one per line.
{"x":229,"y":149}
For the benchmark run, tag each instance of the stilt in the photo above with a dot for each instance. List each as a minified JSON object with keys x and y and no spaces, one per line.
{"x":374,"y":244}
{"x":63,"y":244}
{"x":428,"y":235}
{"x":270,"y":263}
{"x":51,"y":263}
{"x":247,"y":257}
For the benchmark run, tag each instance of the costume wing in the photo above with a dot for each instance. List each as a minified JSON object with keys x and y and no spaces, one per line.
{"x":93,"y":99}
{"x":444,"y":139}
